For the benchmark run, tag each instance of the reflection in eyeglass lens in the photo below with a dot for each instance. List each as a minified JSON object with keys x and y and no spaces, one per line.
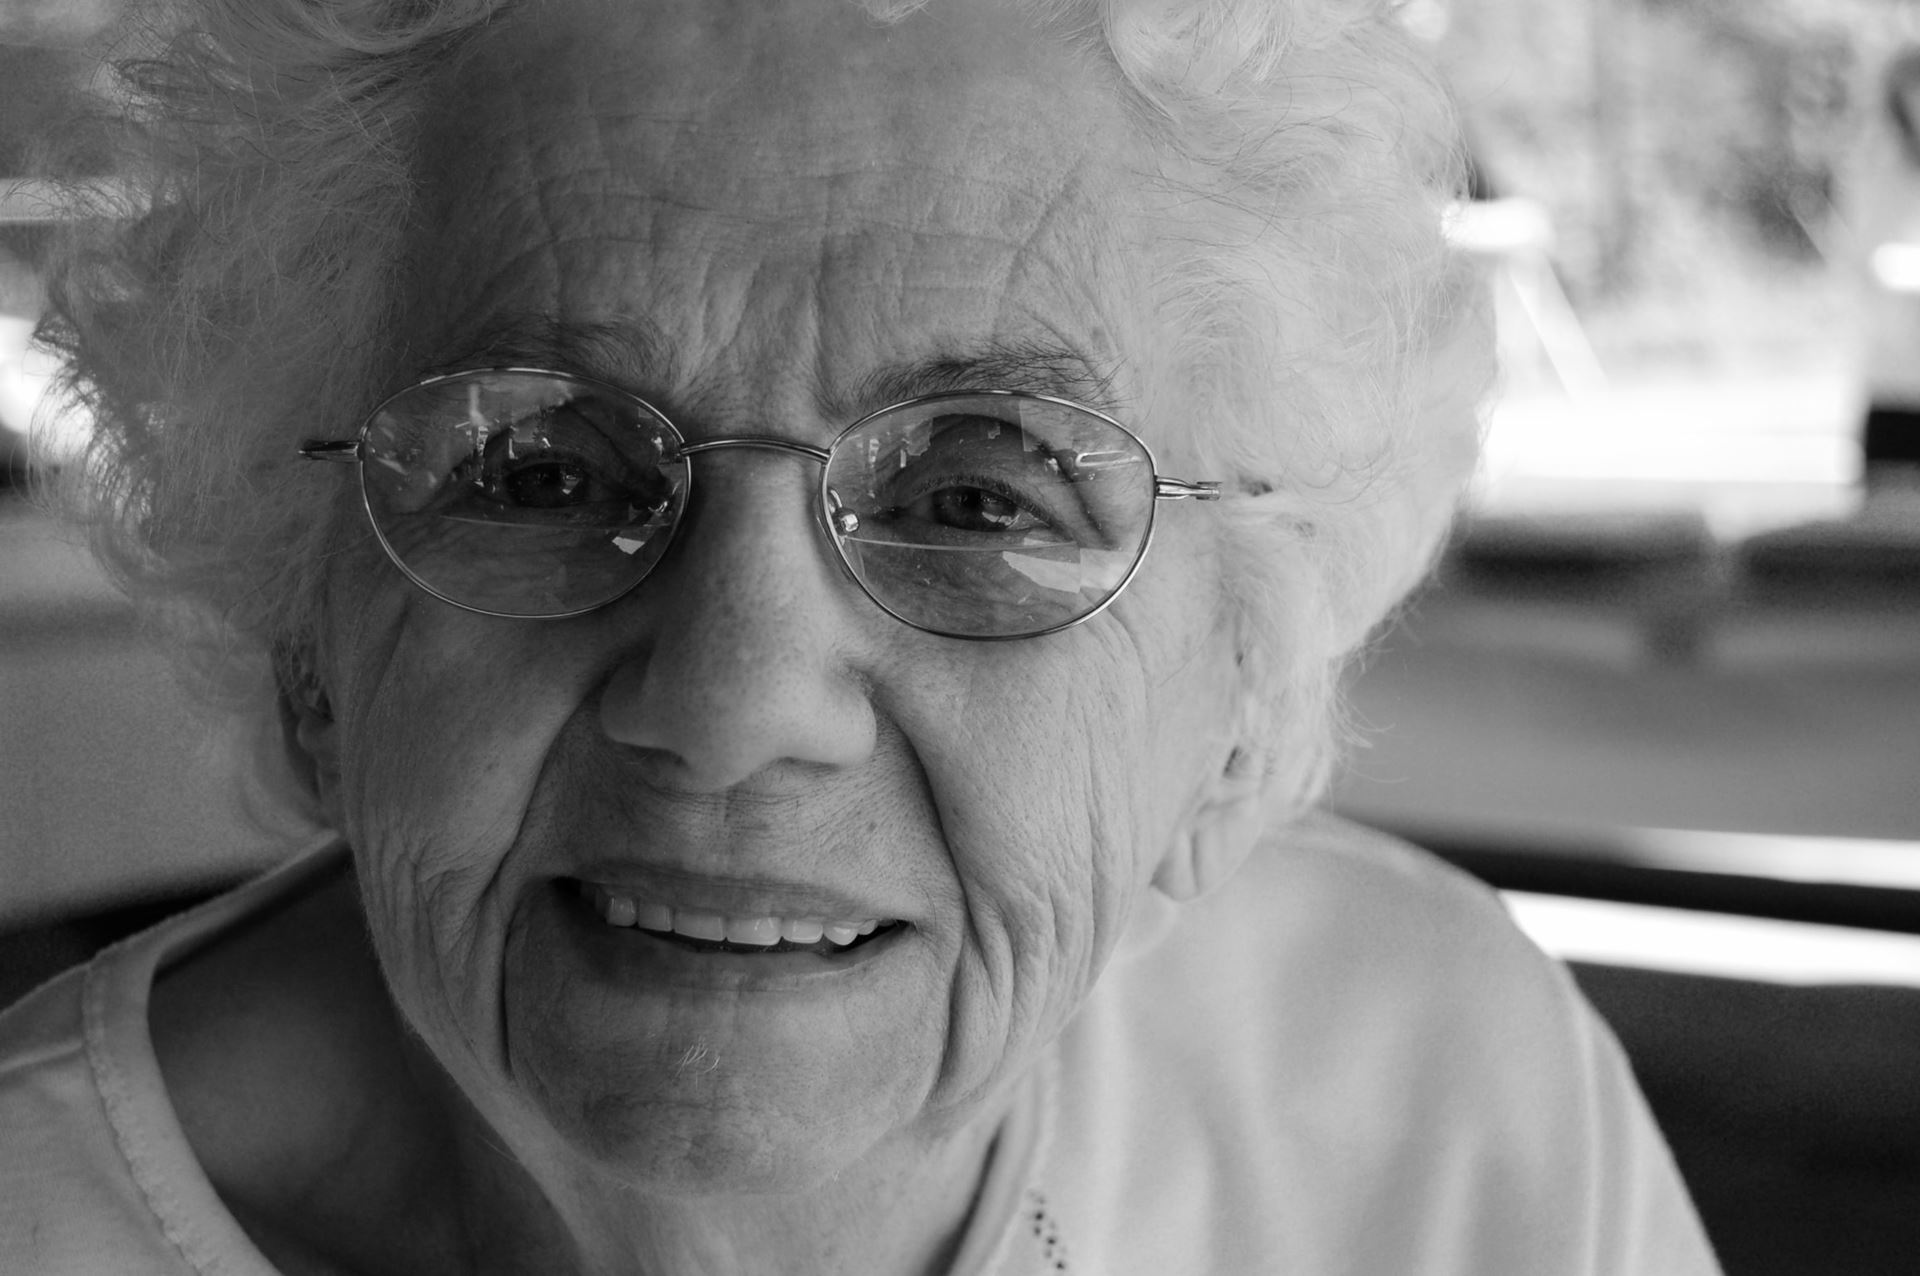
{"x":525,"y":493}
{"x":991,"y":515}
{"x":522,"y":495}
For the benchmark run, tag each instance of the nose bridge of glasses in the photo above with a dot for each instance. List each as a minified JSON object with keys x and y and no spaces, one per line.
{"x":829,"y":519}
{"x":820,"y":456}
{"x":768,"y":442}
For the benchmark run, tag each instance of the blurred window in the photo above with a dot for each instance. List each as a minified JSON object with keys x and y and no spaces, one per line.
{"x":1681,"y":598}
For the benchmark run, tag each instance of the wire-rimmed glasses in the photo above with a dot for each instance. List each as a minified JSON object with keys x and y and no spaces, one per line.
{"x":986,"y":514}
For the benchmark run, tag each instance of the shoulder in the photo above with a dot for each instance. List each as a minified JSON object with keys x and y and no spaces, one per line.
{"x":73,"y":1129}
{"x":1381,"y":912}
{"x":1366,"y":939}
{"x":1341,"y":957}
{"x":1348,"y":1060}
{"x":1378,"y":880}
{"x":96,"y":1172}
{"x":1415,"y":968}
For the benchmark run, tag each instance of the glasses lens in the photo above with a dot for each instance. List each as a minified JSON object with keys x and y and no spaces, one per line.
{"x":522,"y":493}
{"x":990,"y":516}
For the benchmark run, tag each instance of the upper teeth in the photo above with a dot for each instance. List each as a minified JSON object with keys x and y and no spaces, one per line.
{"x":619,"y":909}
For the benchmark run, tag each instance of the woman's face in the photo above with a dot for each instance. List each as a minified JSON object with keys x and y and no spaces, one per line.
{"x":768,"y":220}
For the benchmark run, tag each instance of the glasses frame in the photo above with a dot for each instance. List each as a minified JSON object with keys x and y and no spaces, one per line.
{"x":353,"y":451}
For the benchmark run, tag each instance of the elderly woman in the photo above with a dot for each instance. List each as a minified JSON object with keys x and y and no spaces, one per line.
{"x":692,"y":466}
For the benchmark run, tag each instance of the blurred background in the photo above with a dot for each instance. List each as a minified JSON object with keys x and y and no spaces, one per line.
{"x":1664,"y":690}
{"x":1685,"y":592}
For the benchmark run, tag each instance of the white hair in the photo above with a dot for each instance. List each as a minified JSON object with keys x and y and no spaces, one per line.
{"x":1304,"y":153}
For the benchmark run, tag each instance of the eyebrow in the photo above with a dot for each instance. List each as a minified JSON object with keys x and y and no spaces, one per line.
{"x":624,"y":351}
{"x":1029,"y":366}
{"x":632,"y":353}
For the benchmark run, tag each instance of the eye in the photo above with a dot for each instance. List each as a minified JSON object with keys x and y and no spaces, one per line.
{"x":530,"y":470}
{"x":548,"y":485}
{"x":969,"y":508}
{"x":559,"y":464}
{"x":976,"y":476}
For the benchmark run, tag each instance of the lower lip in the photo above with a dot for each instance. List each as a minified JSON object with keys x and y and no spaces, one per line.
{"x":627,"y":955}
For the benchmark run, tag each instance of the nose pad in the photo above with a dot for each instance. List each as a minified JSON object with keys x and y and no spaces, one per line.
{"x":743,"y":651}
{"x":831,"y":521}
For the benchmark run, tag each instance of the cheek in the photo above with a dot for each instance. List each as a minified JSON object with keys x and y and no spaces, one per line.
{"x":442,"y":737}
{"x":1075,"y":773}
{"x":1035,"y":768}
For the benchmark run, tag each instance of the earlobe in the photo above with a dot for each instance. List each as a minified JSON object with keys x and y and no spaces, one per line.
{"x":1219,"y":835}
{"x":309,"y":732}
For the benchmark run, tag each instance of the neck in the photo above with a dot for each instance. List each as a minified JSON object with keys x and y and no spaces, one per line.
{"x":903,"y":1209}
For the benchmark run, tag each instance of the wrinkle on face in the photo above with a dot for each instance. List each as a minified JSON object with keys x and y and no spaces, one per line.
{"x":803,"y":183}
{"x":436,"y":911}
{"x":797,"y":804}
{"x":1014,"y":794}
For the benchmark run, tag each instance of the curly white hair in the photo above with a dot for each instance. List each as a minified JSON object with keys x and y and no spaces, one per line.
{"x":1332,"y":354}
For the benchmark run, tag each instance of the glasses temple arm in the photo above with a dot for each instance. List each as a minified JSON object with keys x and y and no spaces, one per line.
{"x":341,"y":450}
{"x":1173,"y":489}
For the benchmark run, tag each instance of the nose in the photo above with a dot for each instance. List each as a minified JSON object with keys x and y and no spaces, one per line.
{"x":743,"y":649}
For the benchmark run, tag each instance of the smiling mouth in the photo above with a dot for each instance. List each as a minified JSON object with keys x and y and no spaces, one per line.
{"x":713,"y":933}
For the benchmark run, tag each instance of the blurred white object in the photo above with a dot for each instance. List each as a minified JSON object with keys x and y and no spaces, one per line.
{"x":1512,"y":239}
{"x":54,"y":433}
{"x":19,"y":393}
{"x":1878,"y":863}
{"x":1897,"y":268}
{"x":1721,"y":944}
{"x":1744,"y":454}
{"x":31,"y":422}
{"x":27,"y":374}
{"x":20,"y":303}
{"x":1884,"y":215}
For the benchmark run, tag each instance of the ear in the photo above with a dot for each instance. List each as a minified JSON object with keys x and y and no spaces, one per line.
{"x":1219,"y":834}
{"x":309,"y":732}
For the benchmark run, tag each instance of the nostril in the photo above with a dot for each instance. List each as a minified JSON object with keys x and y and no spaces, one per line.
{"x":719,"y":708}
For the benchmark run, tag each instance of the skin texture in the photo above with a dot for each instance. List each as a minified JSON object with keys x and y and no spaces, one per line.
{"x":775,"y":218}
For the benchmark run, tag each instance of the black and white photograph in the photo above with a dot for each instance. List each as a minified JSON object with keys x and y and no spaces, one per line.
{"x":959,"y":637}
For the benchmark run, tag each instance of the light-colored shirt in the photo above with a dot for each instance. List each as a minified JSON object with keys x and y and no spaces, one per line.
{"x":1347,"y":1061}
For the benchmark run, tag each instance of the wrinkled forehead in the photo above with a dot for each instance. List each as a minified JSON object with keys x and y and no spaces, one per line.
{"x":692,"y":160}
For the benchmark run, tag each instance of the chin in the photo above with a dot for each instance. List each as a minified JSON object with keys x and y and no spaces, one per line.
{"x":694,"y":1072}
{"x":693,"y":1147}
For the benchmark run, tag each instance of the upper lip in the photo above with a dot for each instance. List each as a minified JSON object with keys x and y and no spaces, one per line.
{"x":730,"y":896}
